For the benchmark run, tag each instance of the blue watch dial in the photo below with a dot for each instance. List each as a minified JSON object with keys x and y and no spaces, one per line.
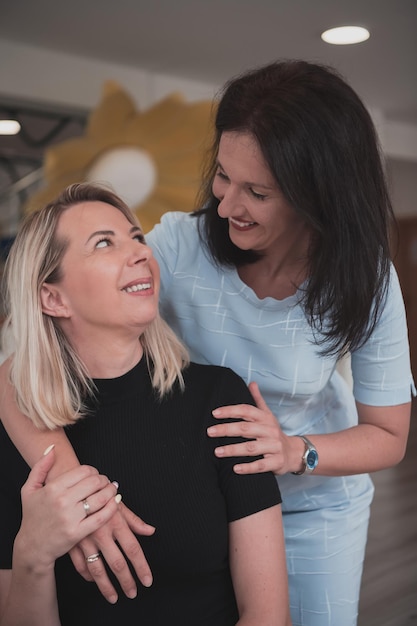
{"x":312,"y":459}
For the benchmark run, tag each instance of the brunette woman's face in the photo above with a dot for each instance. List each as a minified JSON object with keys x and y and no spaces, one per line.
{"x":110,"y":278}
{"x":259,"y":216}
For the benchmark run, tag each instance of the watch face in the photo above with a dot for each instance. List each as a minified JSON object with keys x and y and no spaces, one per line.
{"x":312,"y":459}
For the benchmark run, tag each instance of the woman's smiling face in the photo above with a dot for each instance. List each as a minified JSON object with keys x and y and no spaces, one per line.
{"x":109,"y":276}
{"x":259,"y":216}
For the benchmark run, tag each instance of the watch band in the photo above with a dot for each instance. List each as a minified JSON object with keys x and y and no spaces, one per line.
{"x":310,"y":457}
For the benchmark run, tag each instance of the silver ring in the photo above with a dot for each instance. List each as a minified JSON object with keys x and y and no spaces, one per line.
{"x":92,"y":557}
{"x":86,"y":507}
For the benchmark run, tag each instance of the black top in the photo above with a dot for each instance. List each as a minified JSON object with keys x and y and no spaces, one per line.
{"x":163,"y":460}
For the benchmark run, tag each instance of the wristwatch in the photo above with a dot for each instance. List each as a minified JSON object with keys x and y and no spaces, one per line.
{"x":310,"y":457}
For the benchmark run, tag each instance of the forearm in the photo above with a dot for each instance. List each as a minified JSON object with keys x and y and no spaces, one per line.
{"x":29,"y":440}
{"x":37,"y":587}
{"x":39,"y":606}
{"x":377,"y":442}
{"x":32,"y":442}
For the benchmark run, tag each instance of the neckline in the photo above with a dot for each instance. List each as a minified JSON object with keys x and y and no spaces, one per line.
{"x":134,"y":379}
{"x":263,"y":303}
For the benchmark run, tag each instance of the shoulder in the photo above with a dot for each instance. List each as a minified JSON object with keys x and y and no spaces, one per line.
{"x":177,"y":247}
{"x":173,"y":225}
{"x":223,"y":384}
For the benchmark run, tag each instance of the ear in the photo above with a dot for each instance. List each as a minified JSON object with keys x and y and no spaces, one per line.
{"x":53,"y":303}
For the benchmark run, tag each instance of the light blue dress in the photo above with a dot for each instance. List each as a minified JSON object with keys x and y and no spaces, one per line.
{"x":223,"y":322}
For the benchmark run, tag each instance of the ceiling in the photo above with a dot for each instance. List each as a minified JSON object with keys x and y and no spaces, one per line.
{"x":204,"y":40}
{"x":211,"y":40}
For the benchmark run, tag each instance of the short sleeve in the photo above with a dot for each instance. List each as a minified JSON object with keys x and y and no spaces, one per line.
{"x":244,"y":494}
{"x":381,"y":367}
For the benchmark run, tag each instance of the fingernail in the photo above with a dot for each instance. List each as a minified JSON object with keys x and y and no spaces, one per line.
{"x":132,"y":594}
{"x":215,"y":412}
{"x":48,"y":449}
{"x":115,"y":483}
{"x":211,"y":431}
{"x":219,"y":451}
{"x":118,"y":498}
{"x":112,"y":599}
{"x":147,"y":581}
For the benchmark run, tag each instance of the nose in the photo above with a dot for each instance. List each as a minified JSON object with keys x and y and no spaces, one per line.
{"x":229,"y":200}
{"x":139,"y":253}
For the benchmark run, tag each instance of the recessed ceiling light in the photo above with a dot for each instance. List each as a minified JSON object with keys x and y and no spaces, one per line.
{"x":9,"y":127}
{"x":345,"y":35}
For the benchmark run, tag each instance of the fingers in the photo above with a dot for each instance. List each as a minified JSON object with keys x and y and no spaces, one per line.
{"x":238,"y":411}
{"x":259,"y":466}
{"x":256,"y":394}
{"x":130,"y":545}
{"x":94,"y":571}
{"x":40,"y":470}
{"x":248,"y":430}
{"x":135,"y":523}
{"x":98,"y":500}
{"x":103,"y":541}
{"x":78,"y":560}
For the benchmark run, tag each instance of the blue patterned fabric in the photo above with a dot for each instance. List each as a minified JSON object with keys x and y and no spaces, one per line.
{"x":223,"y":322}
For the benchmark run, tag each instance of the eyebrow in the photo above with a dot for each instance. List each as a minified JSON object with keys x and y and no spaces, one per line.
{"x":102,"y":233}
{"x":249,"y":184}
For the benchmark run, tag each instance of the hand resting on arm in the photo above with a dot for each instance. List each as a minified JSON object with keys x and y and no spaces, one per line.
{"x":121,"y":527}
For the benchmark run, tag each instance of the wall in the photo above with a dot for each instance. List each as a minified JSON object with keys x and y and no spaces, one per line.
{"x":39,"y":75}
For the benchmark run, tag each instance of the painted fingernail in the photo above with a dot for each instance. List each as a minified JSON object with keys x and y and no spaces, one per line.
{"x":48,"y":449}
{"x":118,"y":498}
{"x":115,"y":483}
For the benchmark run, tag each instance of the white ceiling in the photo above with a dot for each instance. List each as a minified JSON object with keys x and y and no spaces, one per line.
{"x":211,"y":40}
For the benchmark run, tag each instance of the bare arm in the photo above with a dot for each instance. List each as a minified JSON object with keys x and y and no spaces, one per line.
{"x":377,"y":442}
{"x":120,"y":530}
{"x":29,"y":440}
{"x":259,"y":573}
{"x":53,"y":521}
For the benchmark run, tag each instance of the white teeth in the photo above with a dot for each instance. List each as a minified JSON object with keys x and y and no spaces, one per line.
{"x":139,"y":287}
{"x":241,"y":224}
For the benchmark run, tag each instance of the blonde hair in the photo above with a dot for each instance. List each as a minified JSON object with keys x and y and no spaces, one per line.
{"x":50,"y":380}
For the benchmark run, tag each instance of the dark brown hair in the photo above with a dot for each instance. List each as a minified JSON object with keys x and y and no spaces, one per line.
{"x":320,"y":144}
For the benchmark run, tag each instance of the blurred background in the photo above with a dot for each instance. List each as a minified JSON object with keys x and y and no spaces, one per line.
{"x":101,"y":89}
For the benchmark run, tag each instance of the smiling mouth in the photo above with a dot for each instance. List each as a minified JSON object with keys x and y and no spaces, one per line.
{"x":137,"y":287}
{"x":241,"y":225}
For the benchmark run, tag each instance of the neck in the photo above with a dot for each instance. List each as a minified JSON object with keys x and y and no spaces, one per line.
{"x":105,"y":354}
{"x":112,"y":363}
{"x":279,"y":272}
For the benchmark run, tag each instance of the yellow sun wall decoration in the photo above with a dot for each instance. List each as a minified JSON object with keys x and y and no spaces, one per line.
{"x":152,"y":159}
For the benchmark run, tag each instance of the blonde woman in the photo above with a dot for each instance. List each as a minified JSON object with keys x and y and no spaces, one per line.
{"x":90,"y":353}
